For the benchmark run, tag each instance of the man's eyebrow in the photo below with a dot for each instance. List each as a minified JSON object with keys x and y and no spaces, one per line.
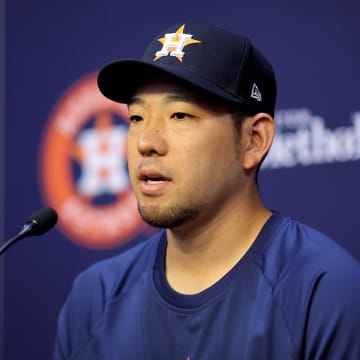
{"x":136,"y":100}
{"x":178,"y":97}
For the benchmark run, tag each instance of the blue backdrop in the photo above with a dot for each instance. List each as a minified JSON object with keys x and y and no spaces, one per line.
{"x":53,"y":51}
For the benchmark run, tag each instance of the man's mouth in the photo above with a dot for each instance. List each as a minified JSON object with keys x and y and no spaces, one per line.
{"x":154,"y":181}
{"x":152,"y":178}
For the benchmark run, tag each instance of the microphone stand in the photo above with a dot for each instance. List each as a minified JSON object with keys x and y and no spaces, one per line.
{"x":23,"y":233}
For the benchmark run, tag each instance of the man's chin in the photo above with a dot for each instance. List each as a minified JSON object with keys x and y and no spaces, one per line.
{"x":166,"y":218}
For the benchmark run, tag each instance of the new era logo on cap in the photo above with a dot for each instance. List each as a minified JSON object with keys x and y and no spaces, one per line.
{"x":255,"y":93}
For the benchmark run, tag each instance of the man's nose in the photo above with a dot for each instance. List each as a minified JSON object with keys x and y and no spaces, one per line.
{"x":152,"y":140}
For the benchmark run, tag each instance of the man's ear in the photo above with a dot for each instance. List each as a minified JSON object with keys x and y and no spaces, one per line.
{"x":259,"y":132}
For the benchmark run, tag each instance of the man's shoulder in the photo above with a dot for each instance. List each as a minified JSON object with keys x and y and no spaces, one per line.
{"x":119,"y":272}
{"x":94,"y":288}
{"x":303,"y":266}
{"x":319,"y":290}
{"x":297,"y":259}
{"x":295,"y":245}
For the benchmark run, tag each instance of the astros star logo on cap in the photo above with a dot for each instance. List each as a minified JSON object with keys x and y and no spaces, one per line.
{"x":174,"y":43}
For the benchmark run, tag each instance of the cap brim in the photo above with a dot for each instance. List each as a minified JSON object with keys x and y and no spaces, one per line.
{"x":119,"y":80}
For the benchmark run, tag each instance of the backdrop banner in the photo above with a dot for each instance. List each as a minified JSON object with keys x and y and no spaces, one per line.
{"x":64,"y":142}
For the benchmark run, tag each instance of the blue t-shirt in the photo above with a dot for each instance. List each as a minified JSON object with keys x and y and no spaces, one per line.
{"x":294,"y":295}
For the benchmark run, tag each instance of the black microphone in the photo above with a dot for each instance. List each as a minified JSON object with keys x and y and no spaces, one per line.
{"x":39,"y":223}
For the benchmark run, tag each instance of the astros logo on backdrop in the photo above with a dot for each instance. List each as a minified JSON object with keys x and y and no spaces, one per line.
{"x":83,"y":169}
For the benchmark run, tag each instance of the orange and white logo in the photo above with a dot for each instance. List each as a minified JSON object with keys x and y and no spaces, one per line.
{"x":174,"y":43}
{"x":83,"y":169}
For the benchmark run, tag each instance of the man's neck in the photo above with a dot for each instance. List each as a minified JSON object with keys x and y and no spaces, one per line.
{"x":196,"y":259}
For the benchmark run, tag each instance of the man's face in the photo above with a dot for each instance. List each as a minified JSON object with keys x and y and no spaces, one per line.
{"x":184,"y":164}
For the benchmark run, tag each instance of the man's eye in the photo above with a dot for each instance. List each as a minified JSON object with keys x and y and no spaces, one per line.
{"x":180,"y":116}
{"x":135,"y":118}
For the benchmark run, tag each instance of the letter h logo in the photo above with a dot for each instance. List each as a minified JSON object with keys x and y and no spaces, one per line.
{"x":174,"y":43}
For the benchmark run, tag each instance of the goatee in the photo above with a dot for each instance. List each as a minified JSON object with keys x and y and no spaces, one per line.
{"x":168,"y":217}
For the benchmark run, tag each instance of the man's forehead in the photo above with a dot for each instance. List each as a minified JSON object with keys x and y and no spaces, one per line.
{"x":170,"y":91}
{"x":174,"y":90}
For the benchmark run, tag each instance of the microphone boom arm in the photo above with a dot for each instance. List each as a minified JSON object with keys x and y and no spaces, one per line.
{"x":40,"y":222}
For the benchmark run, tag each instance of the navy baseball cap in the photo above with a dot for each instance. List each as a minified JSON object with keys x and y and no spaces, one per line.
{"x":213,"y":59}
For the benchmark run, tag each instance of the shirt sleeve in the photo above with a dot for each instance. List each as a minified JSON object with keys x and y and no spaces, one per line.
{"x":79,"y":320}
{"x":333,"y":318}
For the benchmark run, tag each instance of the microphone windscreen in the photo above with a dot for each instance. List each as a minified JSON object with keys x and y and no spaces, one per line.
{"x":42,"y":221}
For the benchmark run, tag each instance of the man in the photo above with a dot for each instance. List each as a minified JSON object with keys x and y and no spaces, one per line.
{"x":227,"y":278}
